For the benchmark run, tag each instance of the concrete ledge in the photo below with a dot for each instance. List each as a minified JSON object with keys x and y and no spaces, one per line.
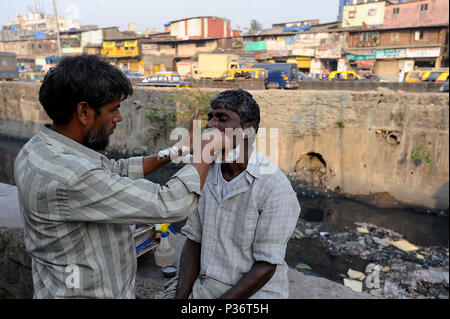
{"x":420,"y":87}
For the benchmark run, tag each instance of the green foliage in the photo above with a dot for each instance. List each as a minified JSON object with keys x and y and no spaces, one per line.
{"x":190,"y":99}
{"x":161,"y":120}
{"x":421,"y":153}
{"x":340,"y":123}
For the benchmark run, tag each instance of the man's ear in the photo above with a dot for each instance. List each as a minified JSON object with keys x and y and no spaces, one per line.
{"x":84,"y":113}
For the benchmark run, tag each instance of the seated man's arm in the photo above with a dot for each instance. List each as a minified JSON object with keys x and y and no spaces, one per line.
{"x":190,"y":255}
{"x":251,"y":282}
{"x":189,"y":268}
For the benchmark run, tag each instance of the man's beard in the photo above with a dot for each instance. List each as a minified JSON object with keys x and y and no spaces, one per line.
{"x":97,"y":140}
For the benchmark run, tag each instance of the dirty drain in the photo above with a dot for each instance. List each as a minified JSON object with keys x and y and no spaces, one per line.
{"x":369,"y":258}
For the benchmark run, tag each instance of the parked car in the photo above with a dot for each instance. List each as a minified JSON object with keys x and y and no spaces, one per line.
{"x":8,"y":66}
{"x":373,"y":77}
{"x":132,"y":75}
{"x":279,"y":75}
{"x":165,"y":80}
{"x":32,"y":76}
{"x":435,"y":76}
{"x":444,"y":88}
{"x":345,"y":76}
{"x":414,"y":76}
{"x":304,"y":77}
{"x":248,"y":73}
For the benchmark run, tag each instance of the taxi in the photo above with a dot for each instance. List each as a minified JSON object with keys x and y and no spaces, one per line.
{"x":344,"y":76}
{"x":435,"y":76}
{"x":32,"y":76}
{"x":414,"y":76}
{"x":231,"y":74}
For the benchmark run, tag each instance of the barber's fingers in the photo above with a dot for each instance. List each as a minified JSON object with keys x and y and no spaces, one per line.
{"x":217,"y":138}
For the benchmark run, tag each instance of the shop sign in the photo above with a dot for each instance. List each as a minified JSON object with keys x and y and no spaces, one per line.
{"x":278,"y":53}
{"x":423,"y":52}
{"x":390,"y":53}
{"x":303,"y":52}
{"x":365,"y":63}
{"x":354,"y":57}
{"x":328,"y":53}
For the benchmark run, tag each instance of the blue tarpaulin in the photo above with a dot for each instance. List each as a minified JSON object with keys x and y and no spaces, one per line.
{"x":290,"y":40}
{"x":306,"y":27}
{"x":40,"y":35}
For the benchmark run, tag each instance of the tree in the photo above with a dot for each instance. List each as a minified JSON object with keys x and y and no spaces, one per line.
{"x":255,"y":27}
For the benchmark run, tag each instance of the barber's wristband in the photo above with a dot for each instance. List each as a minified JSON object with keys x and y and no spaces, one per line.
{"x":173,"y":152}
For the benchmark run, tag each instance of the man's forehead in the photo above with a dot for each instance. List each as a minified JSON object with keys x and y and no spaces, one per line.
{"x":222,"y":111}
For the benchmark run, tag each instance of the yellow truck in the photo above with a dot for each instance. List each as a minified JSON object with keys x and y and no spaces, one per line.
{"x":213,"y":65}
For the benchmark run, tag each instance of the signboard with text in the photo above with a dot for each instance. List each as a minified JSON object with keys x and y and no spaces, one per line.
{"x":328,"y":53}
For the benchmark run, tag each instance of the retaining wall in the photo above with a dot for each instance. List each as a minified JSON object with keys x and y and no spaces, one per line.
{"x":360,"y":143}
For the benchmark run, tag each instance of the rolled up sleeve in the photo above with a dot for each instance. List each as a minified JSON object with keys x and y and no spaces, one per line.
{"x":97,"y":195}
{"x":276,"y":223}
{"x":193,"y":227}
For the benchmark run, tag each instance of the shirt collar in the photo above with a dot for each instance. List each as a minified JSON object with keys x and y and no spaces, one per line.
{"x":47,"y":133}
{"x":253,"y":168}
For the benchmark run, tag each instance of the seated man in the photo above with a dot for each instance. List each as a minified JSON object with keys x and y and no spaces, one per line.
{"x":237,"y":237}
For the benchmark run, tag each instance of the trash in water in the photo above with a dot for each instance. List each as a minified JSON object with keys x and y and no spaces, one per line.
{"x":353,"y":284}
{"x":404,"y":245}
{"x":357,"y":275}
{"x":303,"y":266}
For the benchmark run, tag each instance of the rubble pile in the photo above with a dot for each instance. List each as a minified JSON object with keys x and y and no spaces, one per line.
{"x":397,"y":269}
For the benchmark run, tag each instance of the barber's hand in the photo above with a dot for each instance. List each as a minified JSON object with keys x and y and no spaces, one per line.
{"x":185,"y":145}
{"x":213,"y":142}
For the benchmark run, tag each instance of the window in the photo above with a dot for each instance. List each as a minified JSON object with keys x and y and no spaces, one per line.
{"x":395,"y":11}
{"x":372,"y":12}
{"x":175,"y":78}
{"x":200,"y":44}
{"x":395,"y":37}
{"x":419,"y":35}
{"x":352,"y":14}
{"x":424,"y":7}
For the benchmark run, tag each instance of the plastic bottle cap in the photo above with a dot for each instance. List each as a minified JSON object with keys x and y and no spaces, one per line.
{"x":163,"y":235}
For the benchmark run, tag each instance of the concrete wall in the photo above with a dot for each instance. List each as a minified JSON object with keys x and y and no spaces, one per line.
{"x":357,"y":142}
{"x":356,"y":15}
{"x":371,"y":142}
{"x":410,"y":15}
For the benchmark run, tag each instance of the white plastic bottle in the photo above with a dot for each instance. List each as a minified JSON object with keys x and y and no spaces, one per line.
{"x":164,"y":254}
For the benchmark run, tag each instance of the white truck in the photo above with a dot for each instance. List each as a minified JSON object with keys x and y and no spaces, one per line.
{"x":212,"y":65}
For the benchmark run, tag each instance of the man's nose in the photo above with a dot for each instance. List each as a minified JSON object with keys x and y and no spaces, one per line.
{"x":118,"y":117}
{"x":212,"y":123}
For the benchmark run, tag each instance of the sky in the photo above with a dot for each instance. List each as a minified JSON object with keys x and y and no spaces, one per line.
{"x":151,"y":13}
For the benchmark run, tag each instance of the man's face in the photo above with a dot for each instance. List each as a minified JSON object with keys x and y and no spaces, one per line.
{"x":105,"y":123}
{"x":224,"y":120}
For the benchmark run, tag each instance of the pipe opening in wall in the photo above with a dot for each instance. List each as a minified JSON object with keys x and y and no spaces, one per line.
{"x":319,"y":157}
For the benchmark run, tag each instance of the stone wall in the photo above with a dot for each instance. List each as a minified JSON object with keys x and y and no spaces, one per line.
{"x":358,"y":143}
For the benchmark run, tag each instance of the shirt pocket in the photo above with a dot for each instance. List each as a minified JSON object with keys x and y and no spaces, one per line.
{"x":242,"y":226}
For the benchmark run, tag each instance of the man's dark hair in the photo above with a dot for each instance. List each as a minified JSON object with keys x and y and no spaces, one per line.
{"x":240,"y":102}
{"x":83,"y":78}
